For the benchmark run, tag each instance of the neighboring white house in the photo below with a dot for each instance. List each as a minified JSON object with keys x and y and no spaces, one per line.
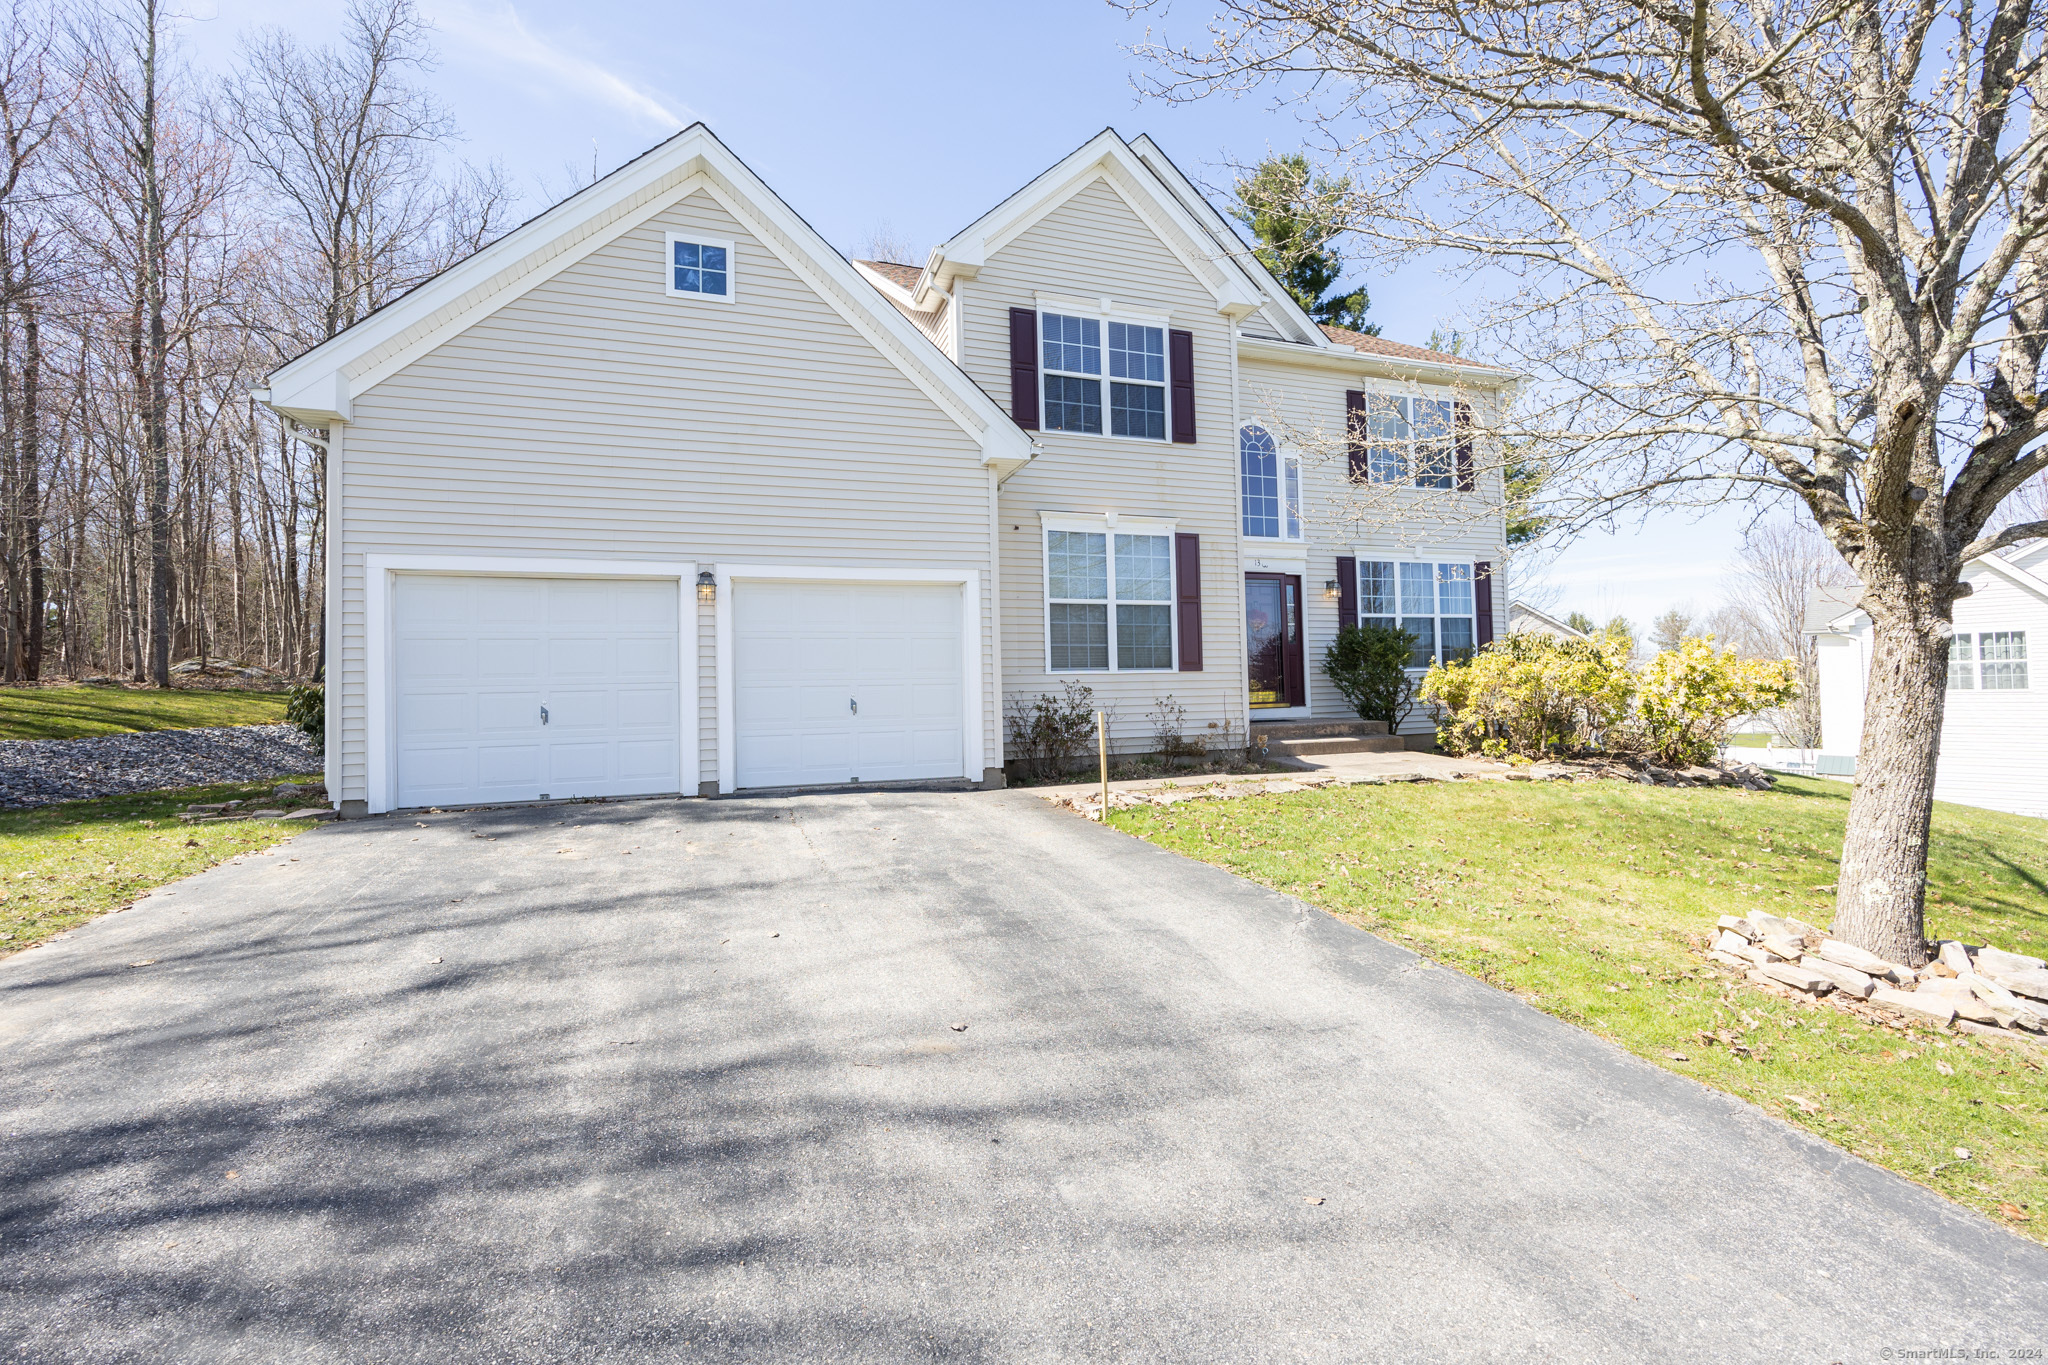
{"x":660,"y":493}
{"x":1522,"y":616}
{"x":1994,"y":737}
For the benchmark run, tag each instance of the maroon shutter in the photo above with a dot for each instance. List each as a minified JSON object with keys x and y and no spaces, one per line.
{"x":1347,"y":591}
{"x":1180,"y":378}
{"x":1482,"y":602}
{"x":1464,"y":423}
{"x":1024,"y":367}
{"x":1355,"y":429}
{"x":1187,"y":577}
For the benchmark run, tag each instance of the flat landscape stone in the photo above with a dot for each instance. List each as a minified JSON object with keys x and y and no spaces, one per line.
{"x":1913,"y":1002}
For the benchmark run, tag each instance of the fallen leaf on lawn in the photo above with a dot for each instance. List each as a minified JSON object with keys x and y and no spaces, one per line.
{"x":1962,"y":1154}
{"x":1678,"y":1056}
{"x":1944,"y":1068}
{"x":1806,"y":1106}
{"x":2014,"y":1212}
{"x":191,"y":843}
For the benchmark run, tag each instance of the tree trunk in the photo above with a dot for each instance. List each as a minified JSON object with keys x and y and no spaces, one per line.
{"x":1880,"y":894}
{"x":31,"y":485}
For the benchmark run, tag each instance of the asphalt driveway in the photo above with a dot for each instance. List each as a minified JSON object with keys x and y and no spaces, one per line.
{"x":666,"y":1081}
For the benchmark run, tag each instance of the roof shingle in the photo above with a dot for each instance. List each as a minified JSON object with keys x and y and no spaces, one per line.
{"x":902,"y":276}
{"x":1371,"y":345}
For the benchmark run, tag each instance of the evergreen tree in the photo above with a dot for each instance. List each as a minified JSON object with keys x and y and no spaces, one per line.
{"x":1292,"y":214}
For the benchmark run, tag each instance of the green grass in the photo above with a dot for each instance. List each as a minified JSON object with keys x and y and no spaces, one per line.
{"x":63,"y":865}
{"x":1593,"y":902}
{"x":1749,"y":741}
{"x":73,"y":712}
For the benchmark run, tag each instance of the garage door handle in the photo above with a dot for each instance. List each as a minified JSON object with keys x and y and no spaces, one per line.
{"x":543,"y":715}
{"x":853,"y":706}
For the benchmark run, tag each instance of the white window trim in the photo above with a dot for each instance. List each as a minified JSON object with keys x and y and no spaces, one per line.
{"x":380,"y":748}
{"x":1106,"y":311}
{"x":1360,"y":558}
{"x":1107,"y":525}
{"x":1408,"y":395}
{"x":1288,"y":459}
{"x":668,"y":270}
{"x":973,"y":748}
{"x":1977,"y":660}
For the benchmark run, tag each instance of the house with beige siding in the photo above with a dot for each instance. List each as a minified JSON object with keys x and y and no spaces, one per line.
{"x":661,"y":494}
{"x":1994,"y":726}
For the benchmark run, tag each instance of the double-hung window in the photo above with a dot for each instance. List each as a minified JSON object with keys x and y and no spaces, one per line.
{"x":1271,"y":484}
{"x":1109,"y":601}
{"x":699,"y":268}
{"x":1072,"y":355}
{"x":1411,"y":440}
{"x":1431,"y":601}
{"x":1962,"y":673}
{"x":2002,"y":660}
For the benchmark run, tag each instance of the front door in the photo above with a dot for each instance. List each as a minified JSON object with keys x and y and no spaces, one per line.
{"x":1272,"y":620}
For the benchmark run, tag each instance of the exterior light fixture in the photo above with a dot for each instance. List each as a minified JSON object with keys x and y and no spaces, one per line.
{"x":707,"y":586}
{"x":1330,"y":587}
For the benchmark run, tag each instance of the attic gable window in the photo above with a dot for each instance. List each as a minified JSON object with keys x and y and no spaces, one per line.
{"x":700,"y":267}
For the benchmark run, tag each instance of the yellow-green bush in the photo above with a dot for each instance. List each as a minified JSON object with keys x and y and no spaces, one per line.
{"x":1686,"y":697}
{"x":1531,"y":694}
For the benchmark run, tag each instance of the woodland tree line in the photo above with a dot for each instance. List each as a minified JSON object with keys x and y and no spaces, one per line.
{"x":167,"y":237}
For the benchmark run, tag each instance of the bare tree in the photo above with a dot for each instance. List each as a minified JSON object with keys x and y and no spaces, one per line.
{"x":1796,"y":252}
{"x":1784,"y":565}
{"x":884,"y":243}
{"x":1673,"y":628}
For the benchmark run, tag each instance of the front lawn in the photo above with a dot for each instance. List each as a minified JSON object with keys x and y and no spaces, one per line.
{"x":1591,"y":901}
{"x":62,"y":865}
{"x":74,"y":712}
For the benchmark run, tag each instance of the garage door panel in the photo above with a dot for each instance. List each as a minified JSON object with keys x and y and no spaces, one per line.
{"x":895,"y":649}
{"x":498,"y":712}
{"x":644,"y":659}
{"x":476,"y":659}
{"x":506,"y":601}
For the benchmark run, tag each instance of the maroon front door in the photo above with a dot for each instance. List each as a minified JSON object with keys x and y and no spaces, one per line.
{"x":1272,"y":622}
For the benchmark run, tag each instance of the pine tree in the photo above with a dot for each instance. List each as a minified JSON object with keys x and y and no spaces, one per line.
{"x":1292,"y":215}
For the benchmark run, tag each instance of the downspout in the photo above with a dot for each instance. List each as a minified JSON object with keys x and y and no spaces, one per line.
{"x":1243,"y":651}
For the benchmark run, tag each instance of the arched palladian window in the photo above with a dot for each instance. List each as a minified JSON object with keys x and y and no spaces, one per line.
{"x":1271,"y":483}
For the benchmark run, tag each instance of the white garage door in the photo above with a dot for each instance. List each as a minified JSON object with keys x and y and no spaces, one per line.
{"x":510,"y":689}
{"x":846,"y":682}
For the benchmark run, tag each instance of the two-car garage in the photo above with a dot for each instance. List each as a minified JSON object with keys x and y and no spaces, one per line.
{"x":518,"y":686}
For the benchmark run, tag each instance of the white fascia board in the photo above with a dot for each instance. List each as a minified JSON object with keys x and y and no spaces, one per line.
{"x":1379,"y":366}
{"x":2005,"y":568}
{"x":1273,"y":295}
{"x":1108,"y":157}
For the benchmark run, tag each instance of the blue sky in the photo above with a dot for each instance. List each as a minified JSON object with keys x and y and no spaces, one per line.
{"x":919,"y":116}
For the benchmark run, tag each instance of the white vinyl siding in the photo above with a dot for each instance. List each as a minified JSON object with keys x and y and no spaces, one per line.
{"x":598,"y":417}
{"x":1283,"y":398}
{"x":1094,"y":246}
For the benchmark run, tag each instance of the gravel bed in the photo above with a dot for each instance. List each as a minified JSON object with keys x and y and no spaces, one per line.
{"x":38,"y":772}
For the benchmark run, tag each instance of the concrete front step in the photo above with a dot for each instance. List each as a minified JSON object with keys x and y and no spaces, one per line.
{"x":1317,"y":746}
{"x":1317,"y":729}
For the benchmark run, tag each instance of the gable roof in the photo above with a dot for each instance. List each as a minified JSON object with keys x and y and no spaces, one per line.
{"x":1105,"y":157}
{"x":1399,"y":350}
{"x":320,"y":387}
{"x":1829,"y":610}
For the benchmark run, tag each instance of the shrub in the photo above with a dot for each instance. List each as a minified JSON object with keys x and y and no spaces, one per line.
{"x":1689,"y":695}
{"x":1169,"y":719}
{"x":1531,"y":694}
{"x":1048,"y":733}
{"x":1369,"y":666}
{"x":306,"y":708}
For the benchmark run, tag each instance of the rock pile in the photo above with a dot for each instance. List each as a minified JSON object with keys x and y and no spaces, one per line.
{"x":1650,"y":775}
{"x":1975,"y":985}
{"x":37,"y":772}
{"x":286,"y":794}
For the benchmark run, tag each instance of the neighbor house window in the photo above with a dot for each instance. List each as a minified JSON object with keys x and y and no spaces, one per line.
{"x":1431,"y":601}
{"x":2002,"y":660}
{"x":1411,"y":440}
{"x":1073,"y":354}
{"x":1961,"y":672}
{"x":699,"y":267}
{"x":1271,"y":484}
{"x":1109,"y":597}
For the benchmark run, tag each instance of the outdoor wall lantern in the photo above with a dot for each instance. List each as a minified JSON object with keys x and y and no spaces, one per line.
{"x":707,"y":586}
{"x":1330,"y":587}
